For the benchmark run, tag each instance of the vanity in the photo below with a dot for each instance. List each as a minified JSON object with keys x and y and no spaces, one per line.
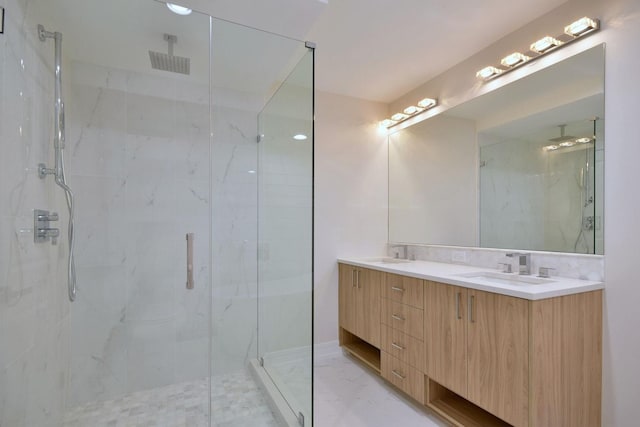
{"x":477,"y":346}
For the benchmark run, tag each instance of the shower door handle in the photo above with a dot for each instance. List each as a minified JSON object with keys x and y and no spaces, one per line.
{"x":189,"y":260}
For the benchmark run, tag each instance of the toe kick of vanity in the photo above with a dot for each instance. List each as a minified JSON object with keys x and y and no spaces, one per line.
{"x":474,"y":357}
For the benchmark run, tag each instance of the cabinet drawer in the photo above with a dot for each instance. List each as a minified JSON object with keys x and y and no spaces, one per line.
{"x":403,"y":376}
{"x":404,"y":318}
{"x":403,"y":347}
{"x":406,"y":290}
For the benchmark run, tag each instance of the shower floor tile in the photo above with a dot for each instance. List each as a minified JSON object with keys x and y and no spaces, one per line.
{"x":236,"y":402}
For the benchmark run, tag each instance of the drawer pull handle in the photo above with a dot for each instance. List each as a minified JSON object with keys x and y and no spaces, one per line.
{"x":395,"y":316}
{"x":395,"y":288}
{"x":393,"y":371}
{"x":399,"y":347}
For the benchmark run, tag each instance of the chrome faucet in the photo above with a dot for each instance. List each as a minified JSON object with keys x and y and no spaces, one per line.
{"x":524,"y":262}
{"x":399,"y":251}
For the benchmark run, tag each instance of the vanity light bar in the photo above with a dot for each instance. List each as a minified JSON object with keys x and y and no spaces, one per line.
{"x":410,"y":111}
{"x":575,"y":30}
{"x":567,"y":144}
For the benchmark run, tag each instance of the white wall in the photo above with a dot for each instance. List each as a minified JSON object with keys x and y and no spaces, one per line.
{"x":621,"y":32}
{"x":350,"y":195}
{"x":433,"y":186}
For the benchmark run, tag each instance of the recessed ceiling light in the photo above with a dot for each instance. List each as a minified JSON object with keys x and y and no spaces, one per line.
{"x":567,"y":144}
{"x":300,"y":137}
{"x":180,"y":10}
{"x":551,"y":147}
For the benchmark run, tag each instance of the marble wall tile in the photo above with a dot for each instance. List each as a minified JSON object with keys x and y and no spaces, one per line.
{"x":140,"y":169}
{"x":575,"y":266}
{"x":34,"y":325}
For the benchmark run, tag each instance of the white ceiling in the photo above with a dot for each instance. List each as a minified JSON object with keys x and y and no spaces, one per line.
{"x":370,"y":49}
{"x":381,"y":49}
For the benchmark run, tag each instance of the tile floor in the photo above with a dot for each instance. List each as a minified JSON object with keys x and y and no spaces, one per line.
{"x":236,"y":402}
{"x":349,"y":395}
{"x":346,"y":395}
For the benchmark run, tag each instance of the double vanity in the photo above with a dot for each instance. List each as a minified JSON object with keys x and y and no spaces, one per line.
{"x":477,"y":346}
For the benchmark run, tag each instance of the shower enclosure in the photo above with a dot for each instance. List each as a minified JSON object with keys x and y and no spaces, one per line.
{"x":192,"y":182}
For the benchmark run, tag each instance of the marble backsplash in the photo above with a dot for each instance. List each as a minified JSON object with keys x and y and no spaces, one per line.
{"x":574,"y":266}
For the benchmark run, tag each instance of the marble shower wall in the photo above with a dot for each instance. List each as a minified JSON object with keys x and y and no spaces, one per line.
{"x":234,"y":231}
{"x":138,"y":161}
{"x":537,"y":199}
{"x":34,"y":310}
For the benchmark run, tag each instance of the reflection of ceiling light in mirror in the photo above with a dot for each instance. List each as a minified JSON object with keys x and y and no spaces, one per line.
{"x":514,"y":59}
{"x":551,"y":148}
{"x":583,"y":140}
{"x":299,"y":137}
{"x":544,"y":44}
{"x":488,"y":72}
{"x":251,"y":171}
{"x":567,"y":144}
{"x":412,"y":110}
{"x":398,"y":116}
{"x":427,"y":103}
{"x":387,"y":123}
{"x":180,"y":10}
{"x":581,"y":26}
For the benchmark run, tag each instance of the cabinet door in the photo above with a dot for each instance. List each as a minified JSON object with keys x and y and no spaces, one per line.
{"x":498,"y":355}
{"x":347,"y":293}
{"x":369,"y":287}
{"x":445,"y":329}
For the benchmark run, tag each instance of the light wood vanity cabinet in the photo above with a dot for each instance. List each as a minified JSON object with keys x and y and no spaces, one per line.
{"x":359,"y":307}
{"x":478,"y":347}
{"x":478,"y":358}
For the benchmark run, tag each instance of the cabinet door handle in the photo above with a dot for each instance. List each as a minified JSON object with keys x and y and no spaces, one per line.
{"x":471,"y":298}
{"x":399,"y":347}
{"x":395,"y":316}
{"x":358,"y":276}
{"x":394,"y":372}
{"x":353,"y":278}
{"x":458,"y":315}
{"x":395,"y":288}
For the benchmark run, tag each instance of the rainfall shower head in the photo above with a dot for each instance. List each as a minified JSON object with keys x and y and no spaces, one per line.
{"x":170,"y":62}
{"x":562,"y":137}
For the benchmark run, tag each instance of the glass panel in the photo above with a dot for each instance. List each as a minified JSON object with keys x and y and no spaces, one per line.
{"x":137,"y":159}
{"x":285,"y":236}
{"x":248,"y":67}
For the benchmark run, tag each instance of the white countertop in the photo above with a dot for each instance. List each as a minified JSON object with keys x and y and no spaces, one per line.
{"x":450,"y":274}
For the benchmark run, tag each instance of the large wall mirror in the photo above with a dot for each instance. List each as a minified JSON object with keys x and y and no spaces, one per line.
{"x":520,"y":167}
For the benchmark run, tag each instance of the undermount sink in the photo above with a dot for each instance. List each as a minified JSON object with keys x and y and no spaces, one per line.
{"x":505,"y":278}
{"x":389,"y":260}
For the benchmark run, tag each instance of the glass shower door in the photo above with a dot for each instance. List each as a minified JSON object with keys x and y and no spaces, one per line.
{"x":285,"y":237}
